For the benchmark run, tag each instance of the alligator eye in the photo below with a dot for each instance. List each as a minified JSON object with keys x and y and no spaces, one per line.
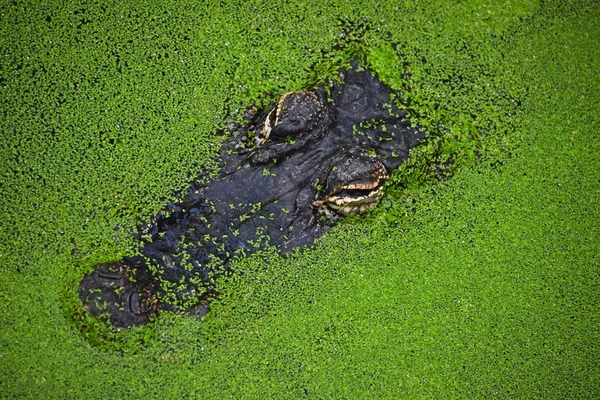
{"x":354,"y":183}
{"x":295,"y":113}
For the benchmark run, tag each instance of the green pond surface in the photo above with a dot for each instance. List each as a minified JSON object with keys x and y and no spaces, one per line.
{"x":482,"y":284}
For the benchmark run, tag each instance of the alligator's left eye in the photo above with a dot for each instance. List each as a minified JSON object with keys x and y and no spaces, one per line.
{"x":295,"y":113}
{"x":354,"y":183}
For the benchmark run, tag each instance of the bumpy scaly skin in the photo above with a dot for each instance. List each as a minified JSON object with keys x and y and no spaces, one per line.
{"x":311,"y":156}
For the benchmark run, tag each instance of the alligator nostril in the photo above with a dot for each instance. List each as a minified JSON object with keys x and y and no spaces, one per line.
{"x":133,"y":301}
{"x":109,"y":275}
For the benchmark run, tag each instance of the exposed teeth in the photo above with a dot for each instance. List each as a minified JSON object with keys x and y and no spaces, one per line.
{"x":345,"y":204}
{"x":375,"y":181}
{"x":360,"y":186}
{"x":351,"y":209}
{"x":339,"y":201}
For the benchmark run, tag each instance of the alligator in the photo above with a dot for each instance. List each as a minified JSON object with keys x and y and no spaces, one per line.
{"x":287,"y":175}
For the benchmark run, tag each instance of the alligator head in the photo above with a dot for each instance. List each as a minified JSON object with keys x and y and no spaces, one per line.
{"x":287,"y":175}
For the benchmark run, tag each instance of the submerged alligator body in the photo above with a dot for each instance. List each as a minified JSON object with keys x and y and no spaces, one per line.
{"x":286,"y":176}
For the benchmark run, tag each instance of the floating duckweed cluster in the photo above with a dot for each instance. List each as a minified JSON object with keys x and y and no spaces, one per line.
{"x":479,"y":285}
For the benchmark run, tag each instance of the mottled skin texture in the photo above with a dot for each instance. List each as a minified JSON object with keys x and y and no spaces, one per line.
{"x":287,"y":176}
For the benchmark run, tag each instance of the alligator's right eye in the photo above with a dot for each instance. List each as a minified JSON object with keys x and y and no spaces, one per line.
{"x":296,"y":113}
{"x":288,"y":127}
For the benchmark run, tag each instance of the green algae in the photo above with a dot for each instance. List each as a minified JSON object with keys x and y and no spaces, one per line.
{"x":482,"y":285}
